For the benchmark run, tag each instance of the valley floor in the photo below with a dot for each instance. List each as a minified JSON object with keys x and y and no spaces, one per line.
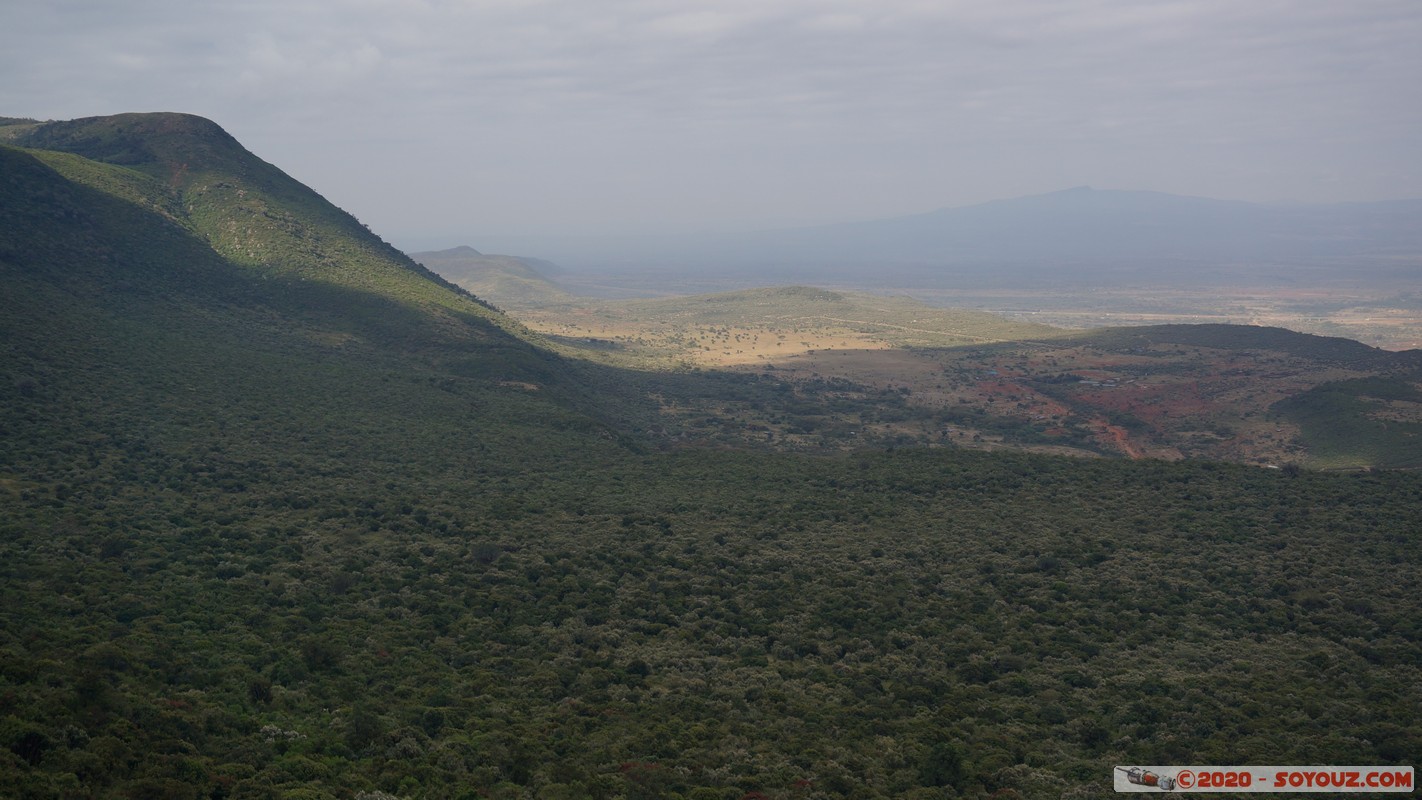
{"x":966,"y":378}
{"x":1387,"y":319}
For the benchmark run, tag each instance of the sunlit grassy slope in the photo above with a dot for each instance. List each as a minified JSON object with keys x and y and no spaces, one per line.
{"x":758,"y":325}
{"x":252,"y":214}
{"x":116,"y":301}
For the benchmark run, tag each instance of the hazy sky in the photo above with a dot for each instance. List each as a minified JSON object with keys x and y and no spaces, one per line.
{"x":436,"y":121}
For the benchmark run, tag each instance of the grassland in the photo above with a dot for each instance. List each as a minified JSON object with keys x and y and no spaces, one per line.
{"x":763,"y":326}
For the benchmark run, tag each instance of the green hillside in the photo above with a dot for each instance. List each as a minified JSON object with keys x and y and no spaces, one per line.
{"x":248,"y":211}
{"x":284,"y":516}
{"x":1360,"y":423}
{"x":1249,"y":337}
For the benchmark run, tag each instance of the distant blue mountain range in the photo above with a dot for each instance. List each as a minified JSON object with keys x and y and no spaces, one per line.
{"x":1075,"y":234}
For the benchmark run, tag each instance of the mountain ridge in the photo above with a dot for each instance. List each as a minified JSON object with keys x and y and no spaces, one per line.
{"x":235,"y":239}
{"x":247,"y":209}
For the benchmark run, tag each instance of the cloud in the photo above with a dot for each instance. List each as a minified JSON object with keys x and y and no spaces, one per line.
{"x":706,"y":112}
{"x":306,"y":65}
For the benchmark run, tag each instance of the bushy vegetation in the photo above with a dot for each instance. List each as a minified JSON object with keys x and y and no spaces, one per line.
{"x":1228,"y":337}
{"x":364,"y":610}
{"x":265,"y":537}
{"x":1361,"y":422}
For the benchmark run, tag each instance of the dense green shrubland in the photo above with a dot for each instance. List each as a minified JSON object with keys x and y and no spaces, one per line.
{"x":1352,"y":423}
{"x":638,"y":625}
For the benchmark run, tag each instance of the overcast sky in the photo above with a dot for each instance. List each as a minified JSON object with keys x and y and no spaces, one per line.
{"x":438,"y":121}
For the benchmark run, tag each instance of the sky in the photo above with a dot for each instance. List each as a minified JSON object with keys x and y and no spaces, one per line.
{"x":438,"y":122}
